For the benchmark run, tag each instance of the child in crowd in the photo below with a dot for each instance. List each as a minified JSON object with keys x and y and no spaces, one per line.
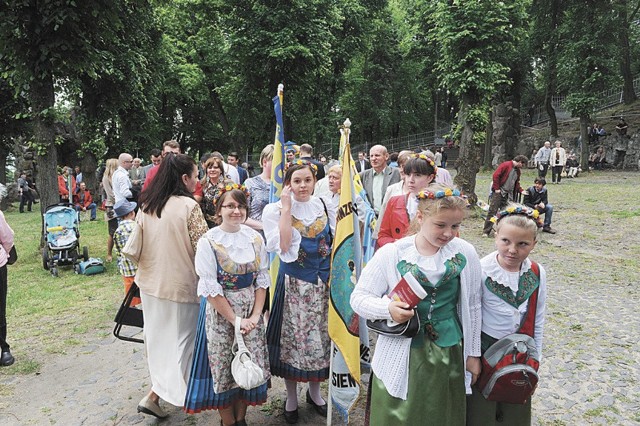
{"x":299,"y":229}
{"x":422,"y":379}
{"x":508,"y":281}
{"x":537,"y":197}
{"x":232,"y":263}
{"x":125,"y":211}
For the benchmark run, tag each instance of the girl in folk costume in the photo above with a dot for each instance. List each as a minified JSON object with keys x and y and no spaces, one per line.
{"x":232,"y":263}
{"x":419,"y":172}
{"x":509,"y":278}
{"x":423,"y":379}
{"x":299,"y":229}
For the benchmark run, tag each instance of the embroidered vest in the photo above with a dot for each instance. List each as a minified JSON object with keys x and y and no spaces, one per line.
{"x":314,"y":254}
{"x":527,"y":283}
{"x":233,"y":275}
{"x":439,"y":320}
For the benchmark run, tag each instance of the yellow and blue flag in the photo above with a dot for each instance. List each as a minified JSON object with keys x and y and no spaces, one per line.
{"x":277,"y":176}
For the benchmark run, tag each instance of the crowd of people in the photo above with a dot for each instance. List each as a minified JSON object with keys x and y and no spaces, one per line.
{"x":206,"y":230}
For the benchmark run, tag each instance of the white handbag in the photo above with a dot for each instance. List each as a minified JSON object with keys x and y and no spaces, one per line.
{"x":246,"y":373}
{"x":133,"y":248}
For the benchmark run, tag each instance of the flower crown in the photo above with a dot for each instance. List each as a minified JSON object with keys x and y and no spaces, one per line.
{"x":425,"y":158}
{"x":532,"y":214}
{"x":428,"y":195}
{"x":229,"y":187}
{"x":313,"y":167}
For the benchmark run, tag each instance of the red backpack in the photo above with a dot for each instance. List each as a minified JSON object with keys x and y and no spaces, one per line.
{"x":510,"y":366}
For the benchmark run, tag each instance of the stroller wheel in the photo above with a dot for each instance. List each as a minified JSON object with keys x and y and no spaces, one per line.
{"x":45,"y":259}
{"x":85,"y":253}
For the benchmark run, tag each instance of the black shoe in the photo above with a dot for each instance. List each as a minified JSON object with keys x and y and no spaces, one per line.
{"x":241,"y":423}
{"x":92,"y":219}
{"x":7,"y":359}
{"x":320,"y":409}
{"x":290,"y":416}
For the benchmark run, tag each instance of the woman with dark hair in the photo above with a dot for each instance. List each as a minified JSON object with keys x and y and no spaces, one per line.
{"x":299,"y":229}
{"x":172,"y":223}
{"x":213,"y":179}
{"x":233,"y":266}
{"x":419,"y":172}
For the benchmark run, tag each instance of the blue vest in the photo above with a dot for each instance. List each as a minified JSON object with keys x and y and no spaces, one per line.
{"x":314,"y":254}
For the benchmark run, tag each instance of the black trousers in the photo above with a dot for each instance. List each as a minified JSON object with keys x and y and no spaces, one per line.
{"x":497,"y":202}
{"x":556,"y":173}
{"x":4,"y":346}
{"x":26,"y":198}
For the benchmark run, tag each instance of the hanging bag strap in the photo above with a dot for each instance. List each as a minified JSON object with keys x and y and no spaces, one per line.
{"x":239,"y":340}
{"x":528,"y":324}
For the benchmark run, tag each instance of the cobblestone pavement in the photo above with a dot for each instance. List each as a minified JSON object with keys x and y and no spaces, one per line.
{"x":590,"y":372}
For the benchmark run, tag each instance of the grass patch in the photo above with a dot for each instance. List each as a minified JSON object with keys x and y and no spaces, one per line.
{"x":46,"y":315}
{"x":624,"y":214}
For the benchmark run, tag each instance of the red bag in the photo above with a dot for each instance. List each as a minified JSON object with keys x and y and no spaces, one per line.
{"x":510,"y":366}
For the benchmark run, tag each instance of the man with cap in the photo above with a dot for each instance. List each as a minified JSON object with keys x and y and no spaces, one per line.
{"x":126,"y":212}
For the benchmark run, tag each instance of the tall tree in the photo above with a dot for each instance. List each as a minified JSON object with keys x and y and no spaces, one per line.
{"x":477,"y":42}
{"x":587,"y":60}
{"x":627,"y":13}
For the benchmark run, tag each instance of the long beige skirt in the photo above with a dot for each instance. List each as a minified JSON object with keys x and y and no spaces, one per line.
{"x":169,"y":339}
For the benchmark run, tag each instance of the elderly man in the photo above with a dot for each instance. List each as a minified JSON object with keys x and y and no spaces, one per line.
{"x":504,"y":188}
{"x":137,"y":174}
{"x":542,"y":159}
{"x":557,"y":159}
{"x":84,"y":201}
{"x":120,"y":180}
{"x":376,"y":179}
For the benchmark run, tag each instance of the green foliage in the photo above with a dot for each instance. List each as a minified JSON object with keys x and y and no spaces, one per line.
{"x":477,"y":118}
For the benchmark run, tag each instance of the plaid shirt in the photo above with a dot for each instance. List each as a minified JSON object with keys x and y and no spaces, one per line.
{"x":126,"y":267}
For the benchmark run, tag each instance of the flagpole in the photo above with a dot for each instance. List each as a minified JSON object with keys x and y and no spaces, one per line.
{"x":329,"y":403}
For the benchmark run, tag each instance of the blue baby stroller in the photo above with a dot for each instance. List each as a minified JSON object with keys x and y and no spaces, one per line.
{"x":61,"y":236}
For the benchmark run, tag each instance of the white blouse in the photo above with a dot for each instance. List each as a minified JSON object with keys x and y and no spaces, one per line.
{"x":306,"y":212}
{"x":239,"y":248}
{"x":500,"y":318}
{"x":391,"y":357}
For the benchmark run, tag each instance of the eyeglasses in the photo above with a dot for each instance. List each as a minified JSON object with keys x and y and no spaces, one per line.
{"x":233,"y":207}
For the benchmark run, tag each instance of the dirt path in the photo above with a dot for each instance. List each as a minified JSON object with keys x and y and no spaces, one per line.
{"x":590,"y":373}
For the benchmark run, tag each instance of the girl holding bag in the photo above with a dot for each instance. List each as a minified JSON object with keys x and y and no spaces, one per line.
{"x":298,"y":229}
{"x":232,"y":263}
{"x":422,"y":379}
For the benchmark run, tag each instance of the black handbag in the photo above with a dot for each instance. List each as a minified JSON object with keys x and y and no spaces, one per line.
{"x":406,"y":329}
{"x":13,"y":256}
{"x":129,"y":316}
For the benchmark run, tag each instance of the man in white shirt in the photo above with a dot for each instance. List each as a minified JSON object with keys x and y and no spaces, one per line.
{"x":542,"y":159}
{"x":120,"y":179}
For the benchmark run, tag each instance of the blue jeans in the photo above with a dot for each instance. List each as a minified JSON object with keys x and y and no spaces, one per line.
{"x":91,"y":207}
{"x":547,"y":212}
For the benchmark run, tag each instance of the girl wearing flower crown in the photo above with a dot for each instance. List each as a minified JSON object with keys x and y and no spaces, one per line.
{"x":419,"y":172}
{"x":423,"y":379}
{"x":299,"y":229}
{"x":232,"y":263}
{"x":508,"y":280}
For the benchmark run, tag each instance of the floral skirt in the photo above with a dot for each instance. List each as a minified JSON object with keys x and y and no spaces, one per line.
{"x":211,"y":384}
{"x":298,"y":336}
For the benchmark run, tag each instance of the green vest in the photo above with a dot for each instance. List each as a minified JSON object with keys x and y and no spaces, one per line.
{"x":439,"y":320}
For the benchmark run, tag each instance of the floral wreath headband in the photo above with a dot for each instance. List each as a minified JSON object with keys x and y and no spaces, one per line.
{"x":427,"y":159}
{"x":229,"y":187}
{"x":532,"y":214}
{"x":429,"y":195}
{"x":313,"y":167}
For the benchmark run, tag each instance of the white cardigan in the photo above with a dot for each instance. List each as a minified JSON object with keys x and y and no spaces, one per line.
{"x":391,"y":357}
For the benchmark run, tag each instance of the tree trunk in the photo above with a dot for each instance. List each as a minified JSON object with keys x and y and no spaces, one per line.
{"x":584,"y":146}
{"x":89,"y":165}
{"x":468,"y":162}
{"x":42,"y":99}
{"x":551,"y":112}
{"x":3,"y":167}
{"x":628,"y":93}
{"x":488,"y":144}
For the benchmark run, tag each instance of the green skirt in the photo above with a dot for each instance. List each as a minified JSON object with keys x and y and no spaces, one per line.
{"x":436,"y":393}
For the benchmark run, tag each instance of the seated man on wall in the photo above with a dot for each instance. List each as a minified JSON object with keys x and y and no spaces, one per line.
{"x":84,"y":201}
{"x":536,"y":197}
